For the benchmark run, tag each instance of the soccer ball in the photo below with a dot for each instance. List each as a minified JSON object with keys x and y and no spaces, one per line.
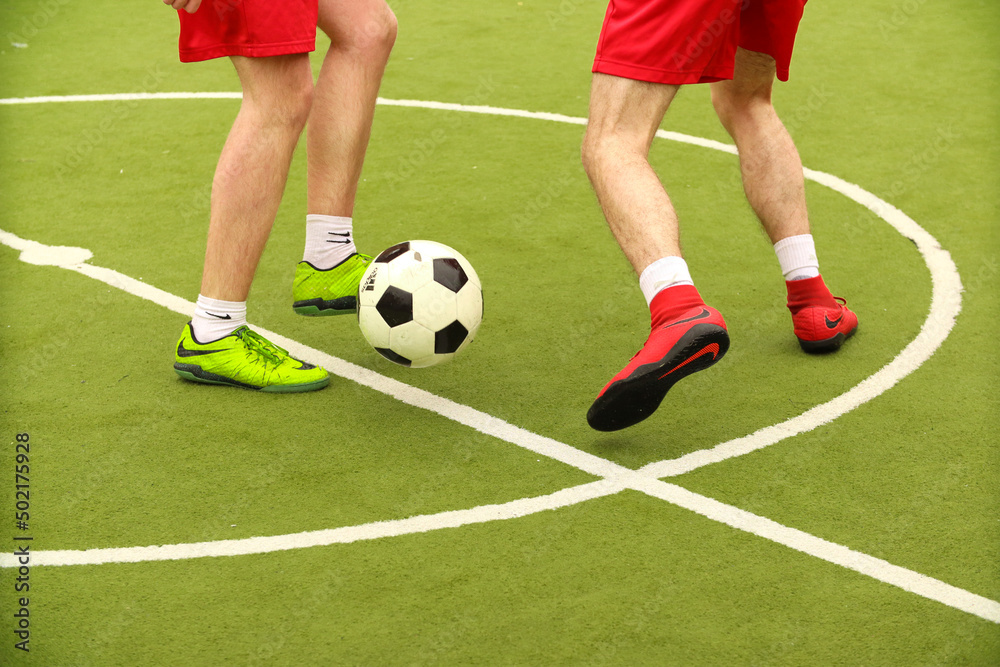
{"x":419,"y":303}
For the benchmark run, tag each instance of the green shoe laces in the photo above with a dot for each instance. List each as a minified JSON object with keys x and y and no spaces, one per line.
{"x":264,"y":348}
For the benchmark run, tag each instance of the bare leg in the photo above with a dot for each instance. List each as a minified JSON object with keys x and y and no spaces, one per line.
{"x":252,"y":170}
{"x":362,"y":33}
{"x":775,"y":187}
{"x":769,"y":162}
{"x":624,"y":116}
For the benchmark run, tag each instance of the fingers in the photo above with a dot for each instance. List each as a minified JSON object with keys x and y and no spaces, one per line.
{"x":190,"y":6}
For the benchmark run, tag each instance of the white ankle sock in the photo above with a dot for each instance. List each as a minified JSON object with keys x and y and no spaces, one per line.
{"x":663,"y":273}
{"x":797,"y":257}
{"x":329,"y":240}
{"x":214,"y":319}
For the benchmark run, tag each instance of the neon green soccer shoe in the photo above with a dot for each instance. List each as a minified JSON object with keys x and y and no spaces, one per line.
{"x":331,"y":291}
{"x":245,"y":359}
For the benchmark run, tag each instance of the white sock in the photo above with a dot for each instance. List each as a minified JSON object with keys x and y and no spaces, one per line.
{"x":797,"y":257}
{"x":329,"y":240}
{"x":214,"y":319}
{"x":663,"y":273}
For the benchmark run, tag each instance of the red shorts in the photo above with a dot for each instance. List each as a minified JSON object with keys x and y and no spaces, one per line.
{"x":693,"y":41}
{"x":254,"y":28}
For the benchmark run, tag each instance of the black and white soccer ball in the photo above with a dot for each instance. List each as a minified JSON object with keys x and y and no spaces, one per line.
{"x":419,"y":303}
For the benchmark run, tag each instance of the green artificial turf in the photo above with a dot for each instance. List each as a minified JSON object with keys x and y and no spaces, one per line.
{"x":898,"y":98}
{"x":686,"y":591}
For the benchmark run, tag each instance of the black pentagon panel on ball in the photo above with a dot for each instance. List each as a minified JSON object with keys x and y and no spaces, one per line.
{"x":450,"y":338}
{"x":392,"y":356}
{"x":395,"y":306}
{"x":448,"y":272}
{"x":391,"y":253}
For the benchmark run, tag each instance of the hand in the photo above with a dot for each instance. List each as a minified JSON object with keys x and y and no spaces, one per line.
{"x":190,"y":6}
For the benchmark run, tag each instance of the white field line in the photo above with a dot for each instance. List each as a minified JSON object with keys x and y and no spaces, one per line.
{"x":463,"y":414}
{"x":480,"y":421}
{"x":617,"y":477}
{"x":946,"y":303}
{"x":946,"y":298}
{"x":345,"y":535}
{"x":876,"y":568}
{"x":121,"y":97}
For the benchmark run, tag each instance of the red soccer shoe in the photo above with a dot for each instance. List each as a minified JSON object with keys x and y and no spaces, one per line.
{"x":687,"y":336}
{"x":822,"y":322}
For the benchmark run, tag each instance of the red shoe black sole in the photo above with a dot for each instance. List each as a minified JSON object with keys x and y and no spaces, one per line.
{"x":630,"y":400}
{"x":831,"y":344}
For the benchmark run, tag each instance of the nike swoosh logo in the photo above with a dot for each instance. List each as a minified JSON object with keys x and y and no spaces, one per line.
{"x":184,"y":352}
{"x":221,"y":317}
{"x":335,"y":241}
{"x":712,"y":348}
{"x":834,"y":323}
{"x":700,"y":316}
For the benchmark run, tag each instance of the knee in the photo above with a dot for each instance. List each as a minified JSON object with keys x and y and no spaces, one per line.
{"x":301,"y":104}
{"x":735,"y":105}
{"x":592,"y":151}
{"x":377,"y":35}
{"x":289,"y":109}
{"x":605,"y":148}
{"x":292,"y":110}
{"x":277,"y":92}
{"x":385,"y":32}
{"x":373,"y":36}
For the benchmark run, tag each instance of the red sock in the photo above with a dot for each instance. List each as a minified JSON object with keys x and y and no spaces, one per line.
{"x":808,"y":292}
{"x":672,"y":302}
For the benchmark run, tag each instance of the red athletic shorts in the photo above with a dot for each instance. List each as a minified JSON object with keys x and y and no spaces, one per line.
{"x":693,"y":41}
{"x":255,"y":28}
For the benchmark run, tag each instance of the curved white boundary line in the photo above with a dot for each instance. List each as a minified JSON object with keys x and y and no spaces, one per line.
{"x":946,"y":303}
{"x":617,"y":477}
{"x":946,"y":297}
{"x":315,"y":538}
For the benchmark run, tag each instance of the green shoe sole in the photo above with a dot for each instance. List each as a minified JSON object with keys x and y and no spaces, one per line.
{"x":320,"y":308}
{"x":196,"y":374}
